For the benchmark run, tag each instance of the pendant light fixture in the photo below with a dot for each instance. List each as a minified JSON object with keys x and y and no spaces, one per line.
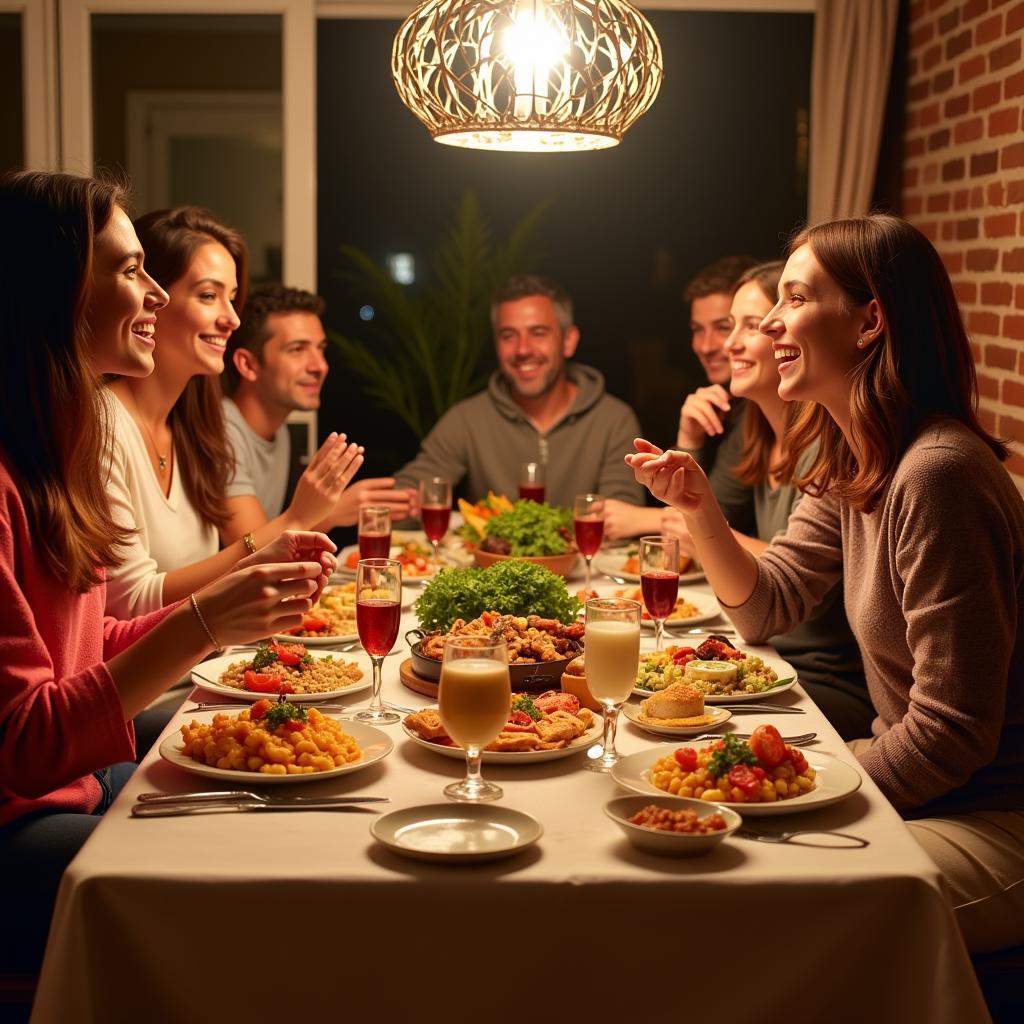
{"x":538,"y":76}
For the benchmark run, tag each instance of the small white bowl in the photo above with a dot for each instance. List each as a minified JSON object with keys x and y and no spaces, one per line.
{"x":670,"y":844}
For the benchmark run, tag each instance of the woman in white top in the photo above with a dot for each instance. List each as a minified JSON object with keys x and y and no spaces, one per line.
{"x":171,"y":461}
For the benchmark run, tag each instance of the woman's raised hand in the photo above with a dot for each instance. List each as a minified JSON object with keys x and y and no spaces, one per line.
{"x":327,"y":475}
{"x":298,"y":546}
{"x":259,"y":600}
{"x":703,"y":414}
{"x":673,"y":477}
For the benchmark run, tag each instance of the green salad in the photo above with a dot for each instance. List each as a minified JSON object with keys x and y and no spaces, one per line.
{"x":512,"y":588}
{"x":533,"y":529}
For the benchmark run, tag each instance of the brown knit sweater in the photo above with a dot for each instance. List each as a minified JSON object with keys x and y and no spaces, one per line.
{"x":934,"y":591}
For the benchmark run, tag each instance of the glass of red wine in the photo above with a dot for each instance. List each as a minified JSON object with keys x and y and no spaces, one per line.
{"x":588,"y":524}
{"x":435,"y":510}
{"x":659,"y":580}
{"x":531,"y":481}
{"x":378,"y":611}
{"x":374,"y":531}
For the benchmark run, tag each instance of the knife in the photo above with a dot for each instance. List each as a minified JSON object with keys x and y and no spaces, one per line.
{"x":779,"y":709}
{"x":245,"y":795}
{"x":162,"y":810}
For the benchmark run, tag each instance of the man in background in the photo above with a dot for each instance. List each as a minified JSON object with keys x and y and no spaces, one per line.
{"x":537,"y":407}
{"x":276,"y":364}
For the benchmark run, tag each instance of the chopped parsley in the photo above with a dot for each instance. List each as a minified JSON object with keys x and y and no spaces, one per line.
{"x":283,"y":711}
{"x":735,"y":751}
{"x":526,"y":705}
{"x":263,"y":657}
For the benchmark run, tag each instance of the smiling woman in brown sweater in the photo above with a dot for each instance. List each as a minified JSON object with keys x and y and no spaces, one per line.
{"x":908,"y":491}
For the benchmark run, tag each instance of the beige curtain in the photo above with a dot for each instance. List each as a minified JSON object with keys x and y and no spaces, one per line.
{"x":853,"y":44}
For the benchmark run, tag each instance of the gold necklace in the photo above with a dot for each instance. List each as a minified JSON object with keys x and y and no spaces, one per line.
{"x":160,"y":459}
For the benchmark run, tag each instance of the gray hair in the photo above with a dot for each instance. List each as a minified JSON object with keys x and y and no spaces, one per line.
{"x":523,"y":286}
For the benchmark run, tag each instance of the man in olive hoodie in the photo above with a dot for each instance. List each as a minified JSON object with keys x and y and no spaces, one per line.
{"x":537,"y":407}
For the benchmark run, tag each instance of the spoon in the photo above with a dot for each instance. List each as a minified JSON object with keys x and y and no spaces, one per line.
{"x":786,"y":837}
{"x":793,"y":741}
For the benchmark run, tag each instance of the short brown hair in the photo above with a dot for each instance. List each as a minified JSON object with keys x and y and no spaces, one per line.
{"x":171,"y":239}
{"x":718,"y":278}
{"x":920,"y":368}
{"x":523,"y":286}
{"x":263,"y":302}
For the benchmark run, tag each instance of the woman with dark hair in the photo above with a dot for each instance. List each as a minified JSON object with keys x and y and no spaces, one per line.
{"x":908,"y":500}
{"x":171,"y":460}
{"x":748,"y":483}
{"x":79,"y":305}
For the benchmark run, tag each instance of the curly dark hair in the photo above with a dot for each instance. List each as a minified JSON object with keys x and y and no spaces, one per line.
{"x":718,"y":278}
{"x":253,"y":333}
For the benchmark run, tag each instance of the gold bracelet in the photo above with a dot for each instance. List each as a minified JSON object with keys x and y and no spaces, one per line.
{"x":206,"y":629}
{"x":250,"y":543}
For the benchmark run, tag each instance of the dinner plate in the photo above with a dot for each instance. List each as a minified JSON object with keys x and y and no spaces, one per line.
{"x":457,"y":833}
{"x":207,"y":675}
{"x":374,"y":744}
{"x":344,"y":573}
{"x":835,"y":780}
{"x":718,"y":717}
{"x":578,"y":745}
{"x":708,"y":608}
{"x":783,"y":669}
{"x":611,"y":562}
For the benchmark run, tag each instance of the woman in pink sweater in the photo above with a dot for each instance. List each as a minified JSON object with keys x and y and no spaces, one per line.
{"x":909,"y":492}
{"x":78,"y":305}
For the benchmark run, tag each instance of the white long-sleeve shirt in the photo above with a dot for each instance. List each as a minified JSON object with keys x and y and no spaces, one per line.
{"x":170,"y":534}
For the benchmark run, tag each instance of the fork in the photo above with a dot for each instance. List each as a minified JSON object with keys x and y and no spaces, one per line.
{"x":785,"y":837}
{"x":793,"y":741}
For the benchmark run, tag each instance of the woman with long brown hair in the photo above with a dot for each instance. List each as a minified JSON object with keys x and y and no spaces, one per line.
{"x":171,"y":460}
{"x":78,"y":305}
{"x":749,"y":484}
{"x":907,"y":498}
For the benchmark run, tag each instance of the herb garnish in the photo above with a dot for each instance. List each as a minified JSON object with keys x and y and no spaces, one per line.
{"x":526,"y":705}
{"x":734,"y":751}
{"x":283,"y":711}
{"x":263,"y":657}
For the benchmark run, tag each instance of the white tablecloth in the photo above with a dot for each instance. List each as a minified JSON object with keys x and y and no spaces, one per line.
{"x":302,"y":916}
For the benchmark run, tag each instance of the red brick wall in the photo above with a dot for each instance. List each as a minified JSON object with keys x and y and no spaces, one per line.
{"x":963,"y":181}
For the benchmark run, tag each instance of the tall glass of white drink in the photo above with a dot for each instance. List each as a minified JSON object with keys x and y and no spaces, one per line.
{"x":474,"y":701}
{"x":612,"y":643}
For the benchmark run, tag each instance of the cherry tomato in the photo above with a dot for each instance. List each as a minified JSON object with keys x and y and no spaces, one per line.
{"x":759,"y":771}
{"x":259,"y":709}
{"x":264,"y":682}
{"x":292,"y":726}
{"x":289,"y":654}
{"x":767,"y":746}
{"x":487,"y":618}
{"x":686,"y":758}
{"x":796,"y":757}
{"x":680,"y":655}
{"x":519,"y":721}
{"x":352,"y":561}
{"x":744,"y":779}
{"x":311,"y":624}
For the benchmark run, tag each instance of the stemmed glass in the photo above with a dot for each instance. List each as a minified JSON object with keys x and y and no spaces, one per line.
{"x":613,"y":653}
{"x":531,"y":481}
{"x":588,"y":524}
{"x":378,"y":611}
{"x":374,"y":531}
{"x":435,"y":510}
{"x":474,"y":700}
{"x":659,"y":580}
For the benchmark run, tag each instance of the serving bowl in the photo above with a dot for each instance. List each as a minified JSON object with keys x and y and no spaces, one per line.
{"x":670,"y":844}
{"x":561,"y":565}
{"x":535,"y":676}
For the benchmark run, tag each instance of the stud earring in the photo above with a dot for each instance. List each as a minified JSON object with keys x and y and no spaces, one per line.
{"x":860,"y":343}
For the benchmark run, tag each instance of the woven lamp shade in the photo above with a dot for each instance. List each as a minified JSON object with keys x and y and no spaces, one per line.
{"x":527,"y":75}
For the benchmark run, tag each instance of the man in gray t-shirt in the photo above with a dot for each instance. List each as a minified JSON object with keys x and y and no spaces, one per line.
{"x":276,"y":364}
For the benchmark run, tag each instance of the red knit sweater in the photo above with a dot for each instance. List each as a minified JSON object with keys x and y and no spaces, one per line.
{"x":60,"y":715}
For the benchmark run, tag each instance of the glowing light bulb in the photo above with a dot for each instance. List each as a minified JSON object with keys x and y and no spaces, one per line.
{"x":533,"y":45}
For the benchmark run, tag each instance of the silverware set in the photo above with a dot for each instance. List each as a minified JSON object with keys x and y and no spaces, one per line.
{"x":338,"y":709}
{"x":793,"y":741}
{"x":854,"y":842}
{"x":162,"y":805}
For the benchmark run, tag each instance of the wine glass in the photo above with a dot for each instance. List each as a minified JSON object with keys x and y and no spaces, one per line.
{"x":474,"y":700}
{"x":374,"y":531}
{"x":588,"y":524}
{"x":435,"y":510}
{"x":613,"y":651}
{"x":378,"y":611}
{"x":659,"y":580}
{"x":531,"y":481}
